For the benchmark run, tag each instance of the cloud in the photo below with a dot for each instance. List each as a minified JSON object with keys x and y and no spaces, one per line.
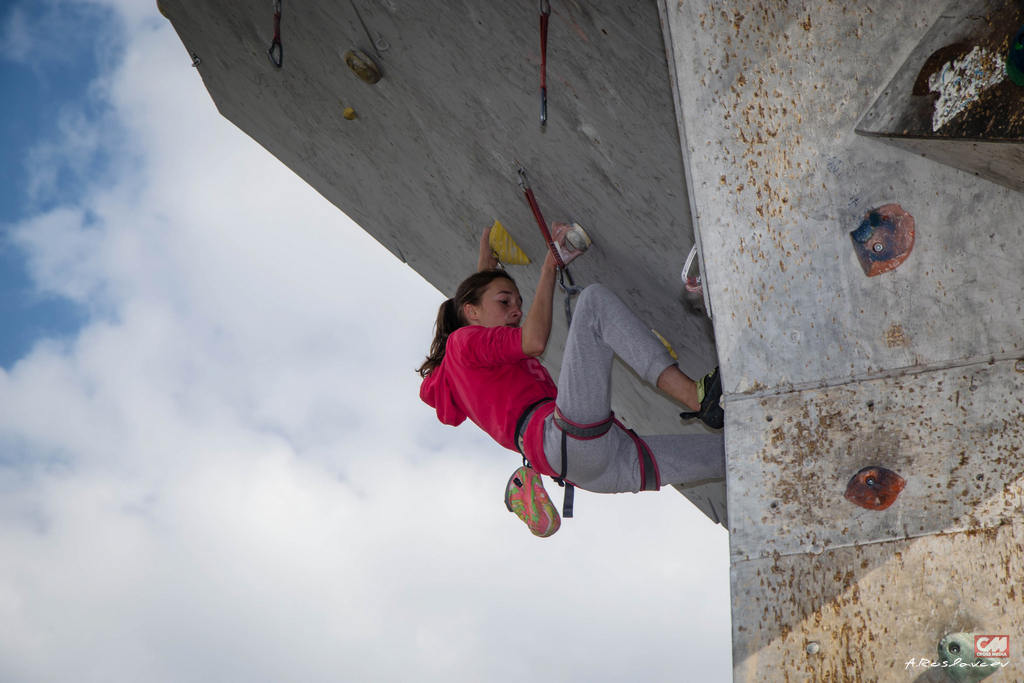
{"x":16,"y":36}
{"x":227,"y":475}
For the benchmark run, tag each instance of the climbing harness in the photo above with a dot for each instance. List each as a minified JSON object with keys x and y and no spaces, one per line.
{"x":276,"y":42}
{"x":544,"y":7}
{"x":650,"y":475}
{"x":571,"y":289}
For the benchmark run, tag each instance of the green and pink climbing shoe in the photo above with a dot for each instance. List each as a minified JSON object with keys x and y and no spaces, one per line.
{"x":526,"y":497}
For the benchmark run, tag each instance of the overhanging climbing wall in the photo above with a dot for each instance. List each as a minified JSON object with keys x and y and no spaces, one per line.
{"x":828,"y":371}
{"x":427,"y":158}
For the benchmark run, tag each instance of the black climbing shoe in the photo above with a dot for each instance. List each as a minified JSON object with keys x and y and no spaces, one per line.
{"x":710,"y":412}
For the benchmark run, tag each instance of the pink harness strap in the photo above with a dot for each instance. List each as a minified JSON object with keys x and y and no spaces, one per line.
{"x":583,"y":432}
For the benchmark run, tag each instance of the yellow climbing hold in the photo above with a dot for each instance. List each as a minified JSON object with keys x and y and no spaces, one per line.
{"x":671,"y":351}
{"x":349,"y":113}
{"x":505,"y":248}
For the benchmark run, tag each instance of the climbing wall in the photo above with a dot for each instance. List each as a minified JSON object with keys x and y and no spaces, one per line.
{"x":869,"y":317}
{"x":427,"y":156}
{"x":966,"y":105}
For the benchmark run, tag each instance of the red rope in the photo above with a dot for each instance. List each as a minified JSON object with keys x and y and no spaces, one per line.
{"x":539,"y":217}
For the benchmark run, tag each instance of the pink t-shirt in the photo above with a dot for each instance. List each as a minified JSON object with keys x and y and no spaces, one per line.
{"x":486,"y":377}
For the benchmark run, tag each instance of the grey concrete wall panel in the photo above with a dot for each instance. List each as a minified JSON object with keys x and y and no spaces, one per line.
{"x":985,"y":137}
{"x":428,"y":160}
{"x":770,"y":94}
{"x":956,"y":436}
{"x":892,"y":370}
{"x":872,"y":609}
{"x":1000,"y":162}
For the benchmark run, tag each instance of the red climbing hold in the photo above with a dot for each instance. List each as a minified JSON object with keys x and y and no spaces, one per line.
{"x":874,"y":488}
{"x":884,"y":239}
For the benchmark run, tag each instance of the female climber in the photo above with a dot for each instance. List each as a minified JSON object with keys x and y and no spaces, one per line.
{"x":483,"y":365}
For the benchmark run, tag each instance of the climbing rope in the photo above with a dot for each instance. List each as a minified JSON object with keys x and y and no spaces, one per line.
{"x":572,"y":289}
{"x":544,"y":7}
{"x":276,"y":42}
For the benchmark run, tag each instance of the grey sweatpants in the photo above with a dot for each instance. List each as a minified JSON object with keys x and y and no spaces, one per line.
{"x":603,"y":326}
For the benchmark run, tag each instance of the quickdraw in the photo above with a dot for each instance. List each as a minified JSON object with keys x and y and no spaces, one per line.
{"x":544,"y":7}
{"x":276,"y":42}
{"x":572,"y":289}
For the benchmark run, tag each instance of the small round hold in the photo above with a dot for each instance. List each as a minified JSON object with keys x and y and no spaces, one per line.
{"x":768,"y":418}
{"x":813,"y":648}
{"x":774,"y":505}
{"x":362,"y":66}
{"x":349,"y":113}
{"x":817,"y":549}
{"x":1019,"y":365}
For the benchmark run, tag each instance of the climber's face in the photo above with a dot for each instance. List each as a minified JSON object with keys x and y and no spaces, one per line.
{"x":500,"y":305}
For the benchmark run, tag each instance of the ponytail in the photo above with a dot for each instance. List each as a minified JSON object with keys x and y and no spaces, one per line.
{"x":447,"y":322}
{"x":450,"y":317}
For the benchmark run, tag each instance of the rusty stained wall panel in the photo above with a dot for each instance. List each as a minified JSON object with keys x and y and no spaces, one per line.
{"x":770,"y":94}
{"x":871,"y":609}
{"x":956,"y":436}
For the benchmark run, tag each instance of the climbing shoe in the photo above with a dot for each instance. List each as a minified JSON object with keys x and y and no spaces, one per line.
{"x":709,"y":391}
{"x":526,"y":497}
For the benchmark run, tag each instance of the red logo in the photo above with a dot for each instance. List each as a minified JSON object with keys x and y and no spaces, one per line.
{"x":991,"y":646}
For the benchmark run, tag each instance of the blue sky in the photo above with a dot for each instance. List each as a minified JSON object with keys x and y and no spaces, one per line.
{"x":202,"y":476}
{"x":52,"y":55}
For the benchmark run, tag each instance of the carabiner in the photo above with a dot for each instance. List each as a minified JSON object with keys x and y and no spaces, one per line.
{"x":276,"y":42}
{"x":524,"y":184}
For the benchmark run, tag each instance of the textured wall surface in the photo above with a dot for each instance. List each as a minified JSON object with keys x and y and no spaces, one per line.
{"x":827,"y":370}
{"x":771,"y":93}
{"x":428,"y":160}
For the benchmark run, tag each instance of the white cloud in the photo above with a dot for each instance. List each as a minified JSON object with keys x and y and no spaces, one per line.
{"x":228,"y":474}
